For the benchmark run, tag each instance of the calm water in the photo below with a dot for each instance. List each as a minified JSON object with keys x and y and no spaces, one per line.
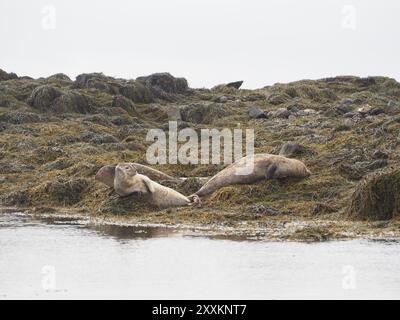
{"x":60,"y":259}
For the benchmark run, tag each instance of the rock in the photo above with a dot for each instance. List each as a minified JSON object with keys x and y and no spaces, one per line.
{"x":96,"y":138}
{"x":98,"y":119}
{"x":380,"y":154}
{"x":377,"y":197}
{"x":306,"y":112}
{"x":119,"y":101}
{"x":48,"y":98}
{"x":392,"y":104}
{"x":59,"y":164}
{"x":122,"y":120}
{"x":137,"y":92}
{"x":21,"y":117}
{"x":290,"y":149}
{"x":277,"y":98}
{"x":4,"y":76}
{"x":365,"y":82}
{"x":370,"y":111}
{"x":280,"y":113}
{"x":59,"y":78}
{"x":15,"y":198}
{"x":99,"y":82}
{"x":64,"y":191}
{"x":43,"y":97}
{"x":223,"y":99}
{"x":257,"y":113}
{"x":165,"y":82}
{"x":203,"y":113}
{"x":174,"y":114}
{"x":236,"y":84}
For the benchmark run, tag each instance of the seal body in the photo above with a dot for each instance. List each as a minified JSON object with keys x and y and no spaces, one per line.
{"x":128,"y":181}
{"x":254,"y":168}
{"x":106,"y":174}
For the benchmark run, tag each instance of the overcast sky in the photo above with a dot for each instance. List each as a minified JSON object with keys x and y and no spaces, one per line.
{"x":206,"y":41}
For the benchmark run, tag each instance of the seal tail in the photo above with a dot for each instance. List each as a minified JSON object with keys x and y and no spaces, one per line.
{"x":194,"y":200}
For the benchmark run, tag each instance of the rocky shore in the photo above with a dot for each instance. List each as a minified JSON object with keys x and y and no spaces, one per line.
{"x":55,"y":133}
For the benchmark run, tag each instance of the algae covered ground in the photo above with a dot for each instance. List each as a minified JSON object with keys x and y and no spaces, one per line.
{"x":55,"y":133}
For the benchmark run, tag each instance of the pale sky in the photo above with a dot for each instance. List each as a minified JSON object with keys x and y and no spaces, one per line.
{"x":206,"y":41}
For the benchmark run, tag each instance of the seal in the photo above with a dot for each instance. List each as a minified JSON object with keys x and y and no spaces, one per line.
{"x":106,"y":174}
{"x":254,"y":168}
{"x":128,"y":180}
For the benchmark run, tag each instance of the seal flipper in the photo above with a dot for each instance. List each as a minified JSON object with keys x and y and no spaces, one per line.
{"x":271,"y":169}
{"x":149,"y":184}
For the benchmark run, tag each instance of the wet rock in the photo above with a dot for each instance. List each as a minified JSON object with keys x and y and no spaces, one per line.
{"x":165,"y":82}
{"x":257,"y":113}
{"x":377,"y":197}
{"x":279,"y":113}
{"x":380,"y":154}
{"x":236,"y":84}
{"x":277,"y":98}
{"x":290,"y":149}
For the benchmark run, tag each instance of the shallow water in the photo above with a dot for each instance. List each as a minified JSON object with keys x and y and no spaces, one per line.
{"x":65,"y":259}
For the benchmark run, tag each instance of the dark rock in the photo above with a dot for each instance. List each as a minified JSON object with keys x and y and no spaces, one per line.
{"x":4,"y":76}
{"x":365,"y":82}
{"x":280,"y":113}
{"x":380,"y":154}
{"x":236,"y":84}
{"x":290,"y":149}
{"x":165,"y":82}
{"x":137,"y":92}
{"x":257,"y":113}
{"x":277,"y":98}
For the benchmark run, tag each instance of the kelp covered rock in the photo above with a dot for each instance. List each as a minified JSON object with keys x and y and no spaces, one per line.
{"x":377,"y":197}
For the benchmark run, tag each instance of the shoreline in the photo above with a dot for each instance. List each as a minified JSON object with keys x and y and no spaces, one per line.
{"x":278,"y":230}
